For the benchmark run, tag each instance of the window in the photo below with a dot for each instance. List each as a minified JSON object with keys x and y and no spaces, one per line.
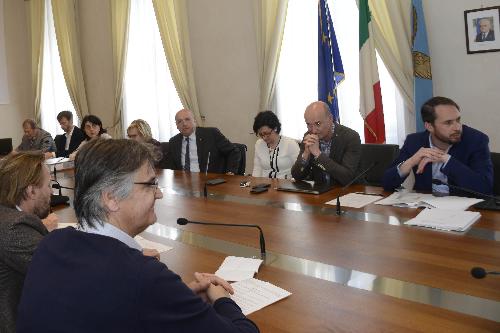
{"x":54,"y":96}
{"x":149,"y":92}
{"x":297,"y":80}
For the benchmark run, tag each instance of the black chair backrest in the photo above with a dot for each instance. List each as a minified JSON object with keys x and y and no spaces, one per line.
{"x":243,"y":160}
{"x":5,"y":146}
{"x":164,"y":151}
{"x":382,"y":155}
{"x":495,"y":158}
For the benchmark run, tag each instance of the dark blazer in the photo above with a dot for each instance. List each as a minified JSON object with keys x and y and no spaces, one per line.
{"x":20,"y":234}
{"x":224,"y":156}
{"x":83,"y":282}
{"x":469,"y":165}
{"x":341,"y":164}
{"x":76,"y":138}
{"x":489,"y":37}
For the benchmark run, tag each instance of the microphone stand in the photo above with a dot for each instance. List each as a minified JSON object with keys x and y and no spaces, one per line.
{"x":262,"y":242}
{"x":495,"y":200}
{"x":339,"y":210}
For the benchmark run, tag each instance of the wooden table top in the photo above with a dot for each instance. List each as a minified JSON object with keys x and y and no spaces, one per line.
{"x":301,"y":226}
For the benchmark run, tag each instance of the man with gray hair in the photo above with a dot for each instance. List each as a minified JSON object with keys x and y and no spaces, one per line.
{"x":36,"y":139}
{"x":329,"y":153}
{"x":104,"y":282}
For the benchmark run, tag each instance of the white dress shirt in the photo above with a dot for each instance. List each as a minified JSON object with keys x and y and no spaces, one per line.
{"x":107,"y":229}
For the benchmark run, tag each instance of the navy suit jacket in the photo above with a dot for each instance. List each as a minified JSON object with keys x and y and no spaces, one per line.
{"x":489,"y":37}
{"x":224,"y":156}
{"x":83,"y":282}
{"x":76,"y":138}
{"x":469,"y":166}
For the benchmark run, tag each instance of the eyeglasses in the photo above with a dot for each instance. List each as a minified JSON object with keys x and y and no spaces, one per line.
{"x":264,"y":134}
{"x":153,"y":184}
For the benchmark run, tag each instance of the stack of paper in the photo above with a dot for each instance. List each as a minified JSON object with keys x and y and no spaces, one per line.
{"x":152,"y":245}
{"x":238,"y":268}
{"x":445,"y":219}
{"x":252,"y":294}
{"x":355,"y":200}
{"x":415,"y":200}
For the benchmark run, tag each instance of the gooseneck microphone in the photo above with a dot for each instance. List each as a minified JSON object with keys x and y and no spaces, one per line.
{"x":59,"y":199}
{"x":494,"y":199}
{"x":184,"y":221}
{"x":480,"y":273}
{"x":361,"y":174}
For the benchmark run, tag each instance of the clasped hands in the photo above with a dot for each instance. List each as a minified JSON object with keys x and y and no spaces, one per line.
{"x":210,"y":287}
{"x":311,"y":146}
{"x":422,"y":157}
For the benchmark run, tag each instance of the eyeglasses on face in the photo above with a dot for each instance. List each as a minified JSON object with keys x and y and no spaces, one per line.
{"x":264,"y":134}
{"x":153,"y":184}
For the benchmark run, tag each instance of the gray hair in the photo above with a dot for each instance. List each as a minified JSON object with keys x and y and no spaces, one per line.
{"x":105,"y":166}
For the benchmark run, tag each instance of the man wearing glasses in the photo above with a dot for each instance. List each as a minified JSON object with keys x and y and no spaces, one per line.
{"x":329,"y":153}
{"x":98,"y":280}
{"x":197,"y":149}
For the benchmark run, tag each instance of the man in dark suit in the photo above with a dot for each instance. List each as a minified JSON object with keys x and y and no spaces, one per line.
{"x":447,"y":150}
{"x":69,"y":141}
{"x":329,"y":153}
{"x":96,"y":279}
{"x":196,"y":147}
{"x":486,"y":34}
{"x":24,"y":200}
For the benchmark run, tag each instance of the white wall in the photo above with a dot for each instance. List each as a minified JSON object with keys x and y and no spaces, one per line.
{"x":472,"y":80}
{"x":223,"y":47}
{"x":18,"y":72}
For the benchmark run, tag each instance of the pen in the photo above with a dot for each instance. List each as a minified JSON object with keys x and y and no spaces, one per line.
{"x":379,"y":195}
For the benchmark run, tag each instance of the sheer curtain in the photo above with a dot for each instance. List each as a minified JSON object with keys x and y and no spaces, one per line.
{"x":149,"y":92}
{"x":54,"y":96}
{"x":297,"y":80}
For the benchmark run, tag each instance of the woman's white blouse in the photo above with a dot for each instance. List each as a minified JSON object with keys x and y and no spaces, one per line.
{"x":277,"y":162}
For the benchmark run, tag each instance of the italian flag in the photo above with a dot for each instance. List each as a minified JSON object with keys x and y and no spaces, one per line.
{"x":370,"y":94}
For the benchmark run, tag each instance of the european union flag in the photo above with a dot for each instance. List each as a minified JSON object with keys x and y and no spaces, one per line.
{"x":330,"y":69}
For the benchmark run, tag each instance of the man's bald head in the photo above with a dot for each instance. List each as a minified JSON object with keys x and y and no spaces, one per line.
{"x":185,"y":122}
{"x":319,"y":120}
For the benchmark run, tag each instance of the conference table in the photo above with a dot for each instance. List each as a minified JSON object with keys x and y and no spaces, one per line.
{"x":362,"y":271}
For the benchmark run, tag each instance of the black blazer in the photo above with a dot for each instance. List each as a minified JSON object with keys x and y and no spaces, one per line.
{"x":341,"y":164}
{"x":489,"y":37}
{"x":76,"y":138}
{"x":224,"y":156}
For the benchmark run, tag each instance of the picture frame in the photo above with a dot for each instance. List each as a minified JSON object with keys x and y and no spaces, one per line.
{"x":482,"y":29}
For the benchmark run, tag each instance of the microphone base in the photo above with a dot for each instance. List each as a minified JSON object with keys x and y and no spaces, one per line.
{"x":56,"y":200}
{"x":340,"y":212}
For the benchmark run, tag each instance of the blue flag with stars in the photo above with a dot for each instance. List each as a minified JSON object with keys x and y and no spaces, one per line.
{"x":330,"y":69}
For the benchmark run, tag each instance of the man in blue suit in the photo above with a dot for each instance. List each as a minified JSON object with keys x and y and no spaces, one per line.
{"x":97,"y":279}
{"x":448,"y":151}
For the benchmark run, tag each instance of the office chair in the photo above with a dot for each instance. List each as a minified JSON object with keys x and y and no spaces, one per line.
{"x":382,"y":155}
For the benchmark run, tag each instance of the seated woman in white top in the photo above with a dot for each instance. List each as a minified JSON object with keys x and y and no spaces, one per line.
{"x":274,"y":154}
{"x":92,"y":128}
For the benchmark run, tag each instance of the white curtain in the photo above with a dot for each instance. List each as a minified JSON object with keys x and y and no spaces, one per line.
{"x":297,"y":81}
{"x":149,"y":92}
{"x":55,"y":97}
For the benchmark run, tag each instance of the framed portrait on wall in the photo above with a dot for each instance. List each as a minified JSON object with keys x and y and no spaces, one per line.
{"x":482,"y":29}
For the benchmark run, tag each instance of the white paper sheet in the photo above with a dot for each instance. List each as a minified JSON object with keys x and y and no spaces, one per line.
{"x":445,"y":219}
{"x":238,"y":268}
{"x":145,"y":243}
{"x":252,"y":294}
{"x":355,"y":200}
{"x":414,"y":200}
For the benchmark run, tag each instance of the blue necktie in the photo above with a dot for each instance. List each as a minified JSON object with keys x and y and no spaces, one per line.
{"x":187,"y":159}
